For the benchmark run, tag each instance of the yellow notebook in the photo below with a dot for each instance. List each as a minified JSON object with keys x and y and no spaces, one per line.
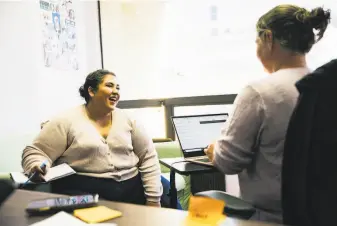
{"x":204,"y":211}
{"x":96,"y":214}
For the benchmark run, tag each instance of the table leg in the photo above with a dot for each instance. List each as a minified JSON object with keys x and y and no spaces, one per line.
{"x":173,"y":190}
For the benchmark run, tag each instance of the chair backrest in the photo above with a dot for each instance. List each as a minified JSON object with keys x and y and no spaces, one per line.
{"x":167,"y":150}
{"x":235,"y":207}
{"x":309,"y":175}
{"x":6,"y":188}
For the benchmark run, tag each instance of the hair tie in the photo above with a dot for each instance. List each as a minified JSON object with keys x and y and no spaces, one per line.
{"x":302,"y":15}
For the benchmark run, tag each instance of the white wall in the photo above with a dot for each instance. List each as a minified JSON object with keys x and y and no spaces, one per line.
{"x":30,"y":92}
{"x":131,"y":36}
{"x":167,"y":48}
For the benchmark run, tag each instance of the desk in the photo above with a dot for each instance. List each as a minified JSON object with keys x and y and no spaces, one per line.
{"x":185,"y":168}
{"x":12,"y":213}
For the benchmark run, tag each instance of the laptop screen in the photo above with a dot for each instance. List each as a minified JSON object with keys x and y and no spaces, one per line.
{"x":196,"y":132}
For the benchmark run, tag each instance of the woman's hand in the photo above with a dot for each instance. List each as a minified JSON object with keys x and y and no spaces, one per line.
{"x":37,"y":172}
{"x":209,"y":151}
{"x":154,"y":204}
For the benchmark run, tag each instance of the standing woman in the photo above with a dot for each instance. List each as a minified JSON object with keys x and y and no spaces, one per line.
{"x":110,"y":151}
{"x":252,"y":141}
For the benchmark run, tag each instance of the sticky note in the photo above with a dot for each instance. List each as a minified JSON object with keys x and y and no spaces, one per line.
{"x":205,"y":211}
{"x":96,"y":214}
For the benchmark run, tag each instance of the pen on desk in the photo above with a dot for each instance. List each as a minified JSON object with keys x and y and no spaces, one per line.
{"x":44,"y":164}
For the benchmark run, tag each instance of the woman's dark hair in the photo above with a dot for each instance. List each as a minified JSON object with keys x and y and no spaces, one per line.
{"x":93,"y":80}
{"x":293,"y":26}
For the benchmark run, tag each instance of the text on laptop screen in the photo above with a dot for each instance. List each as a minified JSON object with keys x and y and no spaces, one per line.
{"x":197,"y":132}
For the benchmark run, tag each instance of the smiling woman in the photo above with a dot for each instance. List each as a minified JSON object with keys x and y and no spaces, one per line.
{"x":110,"y":151}
{"x":101,"y":93}
{"x":101,"y":84}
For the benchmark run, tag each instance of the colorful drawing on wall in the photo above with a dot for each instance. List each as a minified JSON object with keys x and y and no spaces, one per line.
{"x":59,"y":34}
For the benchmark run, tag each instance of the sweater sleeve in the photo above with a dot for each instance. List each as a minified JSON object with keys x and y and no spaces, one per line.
{"x":148,"y":162}
{"x":49,"y":145}
{"x":234,"y":151}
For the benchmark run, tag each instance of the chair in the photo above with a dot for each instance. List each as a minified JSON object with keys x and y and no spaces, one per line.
{"x":171,"y":150}
{"x":309,"y":174}
{"x":6,"y":188}
{"x":235,"y":207}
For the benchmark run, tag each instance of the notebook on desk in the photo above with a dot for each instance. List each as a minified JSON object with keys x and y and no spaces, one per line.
{"x":54,"y":173}
{"x":196,"y":132}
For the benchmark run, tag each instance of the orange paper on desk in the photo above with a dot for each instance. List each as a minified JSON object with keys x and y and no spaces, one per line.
{"x":96,"y":214}
{"x":204,"y":210}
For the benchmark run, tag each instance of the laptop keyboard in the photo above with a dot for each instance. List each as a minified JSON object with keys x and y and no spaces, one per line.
{"x":200,"y":158}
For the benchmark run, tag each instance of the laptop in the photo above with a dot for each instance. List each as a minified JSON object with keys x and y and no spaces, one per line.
{"x":196,"y":132}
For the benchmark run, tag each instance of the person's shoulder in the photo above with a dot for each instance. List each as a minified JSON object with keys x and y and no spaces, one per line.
{"x":129,"y":118}
{"x":70,"y":113}
{"x":266,"y":84}
{"x":272,"y":83}
{"x":260,"y":84}
{"x":248,"y":94}
{"x":254,"y":91}
{"x":259,"y":90}
{"x":122,"y":113}
{"x":123,"y":116}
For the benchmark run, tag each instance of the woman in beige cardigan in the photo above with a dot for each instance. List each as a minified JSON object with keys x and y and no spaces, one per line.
{"x":110,"y":151}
